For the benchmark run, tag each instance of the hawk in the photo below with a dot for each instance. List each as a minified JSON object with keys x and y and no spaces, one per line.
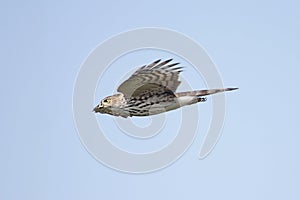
{"x":152,"y":90}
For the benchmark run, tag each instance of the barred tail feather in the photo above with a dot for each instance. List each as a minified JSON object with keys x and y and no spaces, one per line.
{"x":212,"y":91}
{"x":200,"y":93}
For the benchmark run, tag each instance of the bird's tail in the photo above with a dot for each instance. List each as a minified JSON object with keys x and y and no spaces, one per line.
{"x":200,"y":93}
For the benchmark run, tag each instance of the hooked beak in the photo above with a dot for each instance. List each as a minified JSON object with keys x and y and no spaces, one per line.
{"x":97,"y":108}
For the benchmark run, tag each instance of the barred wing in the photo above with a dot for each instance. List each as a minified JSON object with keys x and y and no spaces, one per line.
{"x":152,"y":77}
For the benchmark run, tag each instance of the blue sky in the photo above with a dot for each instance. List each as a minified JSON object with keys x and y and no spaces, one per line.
{"x":254,"y":44}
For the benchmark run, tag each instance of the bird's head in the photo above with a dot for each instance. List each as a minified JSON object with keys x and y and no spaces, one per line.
{"x":107,"y":104}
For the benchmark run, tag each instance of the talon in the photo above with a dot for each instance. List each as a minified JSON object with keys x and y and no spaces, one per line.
{"x":202,"y":99}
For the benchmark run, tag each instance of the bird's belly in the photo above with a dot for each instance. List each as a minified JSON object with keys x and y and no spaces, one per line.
{"x":154,"y":109}
{"x":161,"y":107}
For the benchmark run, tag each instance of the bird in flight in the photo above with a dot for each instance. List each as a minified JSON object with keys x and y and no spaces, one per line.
{"x":152,"y":90}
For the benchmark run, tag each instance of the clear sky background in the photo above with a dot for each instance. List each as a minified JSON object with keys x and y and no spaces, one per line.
{"x":255,"y":45}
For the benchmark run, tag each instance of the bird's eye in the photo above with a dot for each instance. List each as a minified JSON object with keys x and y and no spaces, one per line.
{"x":106,"y":101}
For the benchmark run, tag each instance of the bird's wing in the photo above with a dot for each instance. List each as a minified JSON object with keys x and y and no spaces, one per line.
{"x":153,"y":76}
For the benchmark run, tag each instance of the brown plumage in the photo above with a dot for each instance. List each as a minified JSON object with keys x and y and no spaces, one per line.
{"x":152,"y":90}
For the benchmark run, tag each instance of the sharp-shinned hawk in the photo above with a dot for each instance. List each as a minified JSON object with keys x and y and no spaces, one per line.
{"x":152,"y":90}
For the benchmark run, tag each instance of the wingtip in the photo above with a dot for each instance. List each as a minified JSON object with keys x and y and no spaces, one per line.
{"x":169,"y":60}
{"x":157,"y":61}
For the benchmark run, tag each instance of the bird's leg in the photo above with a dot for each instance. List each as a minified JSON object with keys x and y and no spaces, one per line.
{"x":201,"y":99}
